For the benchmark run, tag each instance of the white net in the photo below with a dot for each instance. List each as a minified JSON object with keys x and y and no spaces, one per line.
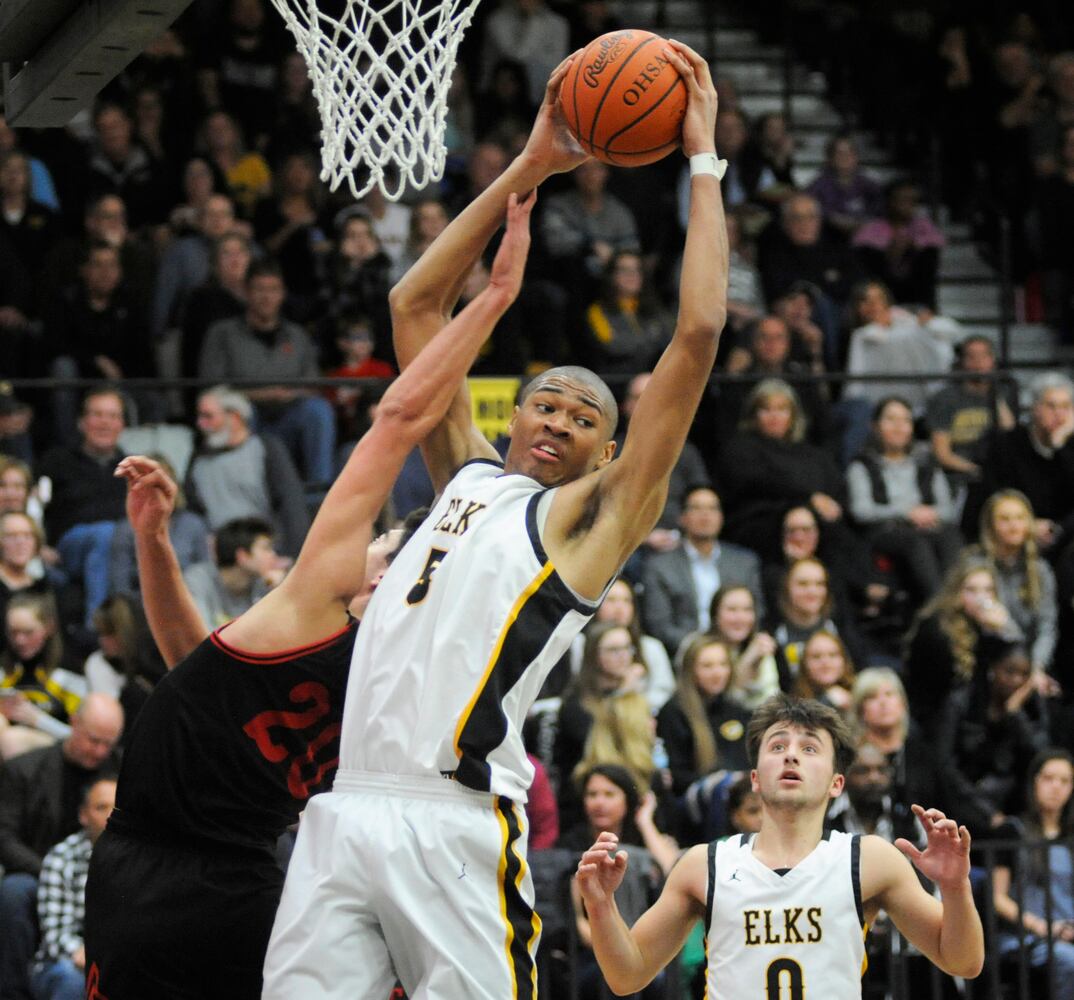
{"x":381,"y":70}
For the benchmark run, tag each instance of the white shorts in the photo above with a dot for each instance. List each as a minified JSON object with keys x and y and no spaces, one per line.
{"x":416,"y":879}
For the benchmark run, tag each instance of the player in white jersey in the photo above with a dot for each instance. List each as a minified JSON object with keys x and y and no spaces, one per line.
{"x":415,"y":864}
{"x":786,"y":910}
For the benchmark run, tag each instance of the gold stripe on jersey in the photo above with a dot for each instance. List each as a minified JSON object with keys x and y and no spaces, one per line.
{"x":521,"y":922}
{"x":495,"y":660}
{"x":706,"y":993}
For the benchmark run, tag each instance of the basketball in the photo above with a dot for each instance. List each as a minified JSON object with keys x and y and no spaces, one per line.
{"x":623,"y":99}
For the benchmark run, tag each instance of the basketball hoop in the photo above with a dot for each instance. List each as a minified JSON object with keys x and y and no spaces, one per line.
{"x":381,"y":70}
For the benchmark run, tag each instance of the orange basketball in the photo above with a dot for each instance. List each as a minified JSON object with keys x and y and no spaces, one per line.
{"x":623,"y":99}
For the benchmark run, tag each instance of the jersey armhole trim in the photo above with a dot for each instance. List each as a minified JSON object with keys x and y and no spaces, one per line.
{"x":479,"y":461}
{"x":284,"y":654}
{"x":855,"y":876}
{"x":562,"y":592}
{"x":710,"y":891}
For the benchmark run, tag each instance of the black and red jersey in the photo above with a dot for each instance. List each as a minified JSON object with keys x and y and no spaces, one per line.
{"x":232,"y":744}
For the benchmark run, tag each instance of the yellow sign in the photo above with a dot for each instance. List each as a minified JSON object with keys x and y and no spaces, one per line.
{"x":493,"y":402}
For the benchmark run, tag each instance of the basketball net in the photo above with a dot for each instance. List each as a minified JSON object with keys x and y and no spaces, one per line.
{"x":381,"y":70}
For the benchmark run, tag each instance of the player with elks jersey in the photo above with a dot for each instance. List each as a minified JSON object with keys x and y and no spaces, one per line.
{"x":414,"y":865}
{"x":786,"y":910}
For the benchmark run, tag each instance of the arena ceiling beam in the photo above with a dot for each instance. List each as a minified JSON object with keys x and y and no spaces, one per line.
{"x":83,"y":48}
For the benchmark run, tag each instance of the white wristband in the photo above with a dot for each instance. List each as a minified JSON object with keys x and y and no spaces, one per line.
{"x":708,"y":163}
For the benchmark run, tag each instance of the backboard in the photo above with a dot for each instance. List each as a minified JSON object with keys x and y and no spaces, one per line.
{"x":57,"y":55}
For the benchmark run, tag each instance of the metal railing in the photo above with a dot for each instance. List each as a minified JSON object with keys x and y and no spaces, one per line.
{"x":1008,"y":974}
{"x":613,"y":379}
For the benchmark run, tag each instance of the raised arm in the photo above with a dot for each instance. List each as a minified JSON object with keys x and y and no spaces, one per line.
{"x":330,"y":568}
{"x":173,"y":618}
{"x":630,"y":958}
{"x":667,"y":407}
{"x":422,"y":301}
{"x":946,"y":930}
{"x":631,"y":492}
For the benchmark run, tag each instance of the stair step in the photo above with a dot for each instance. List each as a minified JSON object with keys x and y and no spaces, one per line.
{"x":805,"y":173}
{"x":1032,"y":342}
{"x":1028,"y":343}
{"x":767,"y":78}
{"x":729,"y":39}
{"x":806,"y":109}
{"x":735,"y":45}
{"x":970,"y":299}
{"x":969,"y":290}
{"x":958,"y":231}
{"x":962,"y":262}
{"x":677,"y":12}
{"x":813,"y":142}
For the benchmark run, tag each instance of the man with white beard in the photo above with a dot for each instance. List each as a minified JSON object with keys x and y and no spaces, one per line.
{"x":229,"y":477}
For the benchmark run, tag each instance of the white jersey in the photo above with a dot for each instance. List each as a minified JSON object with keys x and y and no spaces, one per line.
{"x":459,"y":637}
{"x":793,"y":936}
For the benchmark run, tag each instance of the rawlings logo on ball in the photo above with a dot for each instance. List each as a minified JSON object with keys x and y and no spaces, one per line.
{"x":610,"y":47}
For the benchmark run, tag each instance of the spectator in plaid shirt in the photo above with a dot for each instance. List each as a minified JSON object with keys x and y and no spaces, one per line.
{"x":59,"y":969}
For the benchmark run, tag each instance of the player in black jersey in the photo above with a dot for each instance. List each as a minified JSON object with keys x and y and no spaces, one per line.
{"x":183,"y":885}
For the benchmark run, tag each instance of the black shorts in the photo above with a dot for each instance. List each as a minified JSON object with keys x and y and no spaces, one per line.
{"x":169,"y":921}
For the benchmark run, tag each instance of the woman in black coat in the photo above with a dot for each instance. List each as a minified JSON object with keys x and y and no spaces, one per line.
{"x":943,"y":647}
{"x":769,"y":467}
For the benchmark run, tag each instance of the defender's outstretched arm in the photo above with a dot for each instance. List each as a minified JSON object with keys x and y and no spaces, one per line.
{"x":173,"y":617}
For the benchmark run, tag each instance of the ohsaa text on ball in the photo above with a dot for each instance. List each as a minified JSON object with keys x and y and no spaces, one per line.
{"x":642,"y":81}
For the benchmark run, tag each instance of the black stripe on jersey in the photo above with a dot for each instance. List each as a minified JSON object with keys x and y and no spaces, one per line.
{"x":710,"y":892}
{"x":523,"y":924}
{"x":483,"y":728}
{"x":855,"y":875}
{"x":563,"y":592}
{"x":479,"y":461}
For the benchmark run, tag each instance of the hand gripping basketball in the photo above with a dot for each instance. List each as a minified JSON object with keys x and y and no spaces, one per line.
{"x":551,"y":146}
{"x":624,"y":99}
{"x":699,"y":123}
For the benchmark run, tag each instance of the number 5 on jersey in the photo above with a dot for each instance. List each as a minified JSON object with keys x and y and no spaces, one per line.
{"x":421,"y":587}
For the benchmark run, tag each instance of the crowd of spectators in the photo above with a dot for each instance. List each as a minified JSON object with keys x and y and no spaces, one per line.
{"x":901,"y":549}
{"x":990,"y":102}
